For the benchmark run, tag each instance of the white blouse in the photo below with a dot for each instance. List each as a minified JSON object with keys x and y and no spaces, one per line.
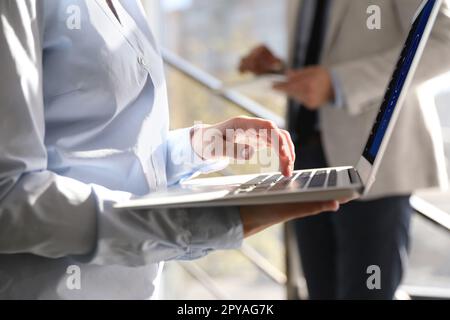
{"x":84,"y":124}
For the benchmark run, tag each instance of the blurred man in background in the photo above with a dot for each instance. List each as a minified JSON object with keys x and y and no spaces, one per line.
{"x":342,"y":55}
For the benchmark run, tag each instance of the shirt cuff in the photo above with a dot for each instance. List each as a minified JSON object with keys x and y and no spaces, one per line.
{"x":143,"y":237}
{"x":213,"y":229}
{"x":338,"y":102}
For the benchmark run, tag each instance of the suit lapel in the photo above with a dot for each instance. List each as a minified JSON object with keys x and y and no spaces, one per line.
{"x":338,"y":12}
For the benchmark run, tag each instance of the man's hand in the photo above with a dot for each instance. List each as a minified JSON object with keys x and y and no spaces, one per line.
{"x":257,"y":218}
{"x":261,"y":61}
{"x":239,"y":138}
{"x":312,"y":87}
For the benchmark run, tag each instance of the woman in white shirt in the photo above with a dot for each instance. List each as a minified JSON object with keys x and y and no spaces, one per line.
{"x":84,"y":124}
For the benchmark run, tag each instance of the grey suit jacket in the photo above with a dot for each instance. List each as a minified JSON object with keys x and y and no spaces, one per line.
{"x":364,"y":60}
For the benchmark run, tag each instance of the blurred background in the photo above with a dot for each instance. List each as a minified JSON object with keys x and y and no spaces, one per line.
{"x":202,"y":43}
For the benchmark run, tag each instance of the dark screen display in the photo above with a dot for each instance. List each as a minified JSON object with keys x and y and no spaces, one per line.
{"x":398,"y":81}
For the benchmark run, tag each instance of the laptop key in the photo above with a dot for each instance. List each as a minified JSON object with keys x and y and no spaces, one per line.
{"x":332,"y":178}
{"x":254,"y":182}
{"x":271,"y":180}
{"x":306,"y":174}
{"x":318,"y":180}
{"x":303,"y":179}
{"x":283,"y":184}
{"x":269,"y":183}
{"x":353,"y":176}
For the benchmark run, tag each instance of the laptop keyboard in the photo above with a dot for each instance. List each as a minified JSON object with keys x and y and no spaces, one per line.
{"x":353,"y":175}
{"x":282,"y":184}
{"x":304,"y":180}
{"x":332,"y":179}
{"x":318,"y":180}
{"x":254,"y":182}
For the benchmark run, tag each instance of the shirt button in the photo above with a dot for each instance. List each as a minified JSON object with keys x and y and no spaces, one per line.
{"x":141,"y":61}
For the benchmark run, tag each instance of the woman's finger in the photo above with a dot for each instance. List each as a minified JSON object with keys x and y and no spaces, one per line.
{"x":274,"y":136}
{"x":286,"y":164}
{"x":290,"y":144}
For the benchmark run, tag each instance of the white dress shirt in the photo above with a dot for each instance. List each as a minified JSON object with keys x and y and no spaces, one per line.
{"x":84,"y":124}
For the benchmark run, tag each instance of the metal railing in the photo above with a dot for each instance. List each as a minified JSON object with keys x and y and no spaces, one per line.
{"x":290,"y":278}
{"x":219,"y":88}
{"x":430,"y":212}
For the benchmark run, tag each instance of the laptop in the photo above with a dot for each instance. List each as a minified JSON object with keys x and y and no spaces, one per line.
{"x":321,"y":184}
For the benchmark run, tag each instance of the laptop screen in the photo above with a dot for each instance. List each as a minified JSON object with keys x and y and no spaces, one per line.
{"x":398,"y":81}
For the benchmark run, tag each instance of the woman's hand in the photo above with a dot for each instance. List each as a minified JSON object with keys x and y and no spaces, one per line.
{"x":257,"y":218}
{"x":239,"y":138}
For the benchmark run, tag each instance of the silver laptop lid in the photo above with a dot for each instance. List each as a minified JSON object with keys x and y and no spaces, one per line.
{"x":397,"y":91}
